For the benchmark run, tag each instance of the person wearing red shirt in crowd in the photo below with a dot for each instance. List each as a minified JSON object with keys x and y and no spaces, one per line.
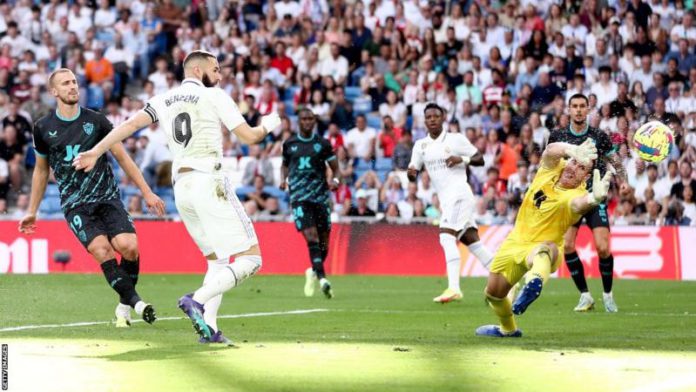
{"x":493,"y":186}
{"x":493,"y":93}
{"x":280,"y":60}
{"x":335,"y":137}
{"x":389,"y":136}
{"x":303,"y":96}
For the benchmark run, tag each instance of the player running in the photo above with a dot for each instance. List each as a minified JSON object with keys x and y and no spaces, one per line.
{"x":445,"y":156}
{"x":192,"y":115}
{"x":305,"y":157}
{"x":597,"y":218}
{"x":555,"y":200}
{"x":90,"y":201}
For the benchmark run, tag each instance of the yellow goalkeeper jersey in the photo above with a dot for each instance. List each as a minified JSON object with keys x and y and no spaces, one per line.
{"x":546,"y":214}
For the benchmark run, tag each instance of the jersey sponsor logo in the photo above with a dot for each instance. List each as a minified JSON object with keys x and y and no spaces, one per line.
{"x":88,"y":128}
{"x":71,"y":152}
{"x":52,"y":133}
{"x":539,"y":198}
{"x":293,"y":148}
{"x":317,"y":147}
{"x":304,"y":163}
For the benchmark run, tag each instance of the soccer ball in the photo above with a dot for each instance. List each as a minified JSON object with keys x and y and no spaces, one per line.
{"x":653,"y":141}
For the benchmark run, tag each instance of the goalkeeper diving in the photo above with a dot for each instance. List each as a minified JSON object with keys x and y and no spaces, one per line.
{"x":556,"y":199}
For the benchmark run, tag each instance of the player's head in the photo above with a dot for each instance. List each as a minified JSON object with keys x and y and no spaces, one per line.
{"x":575,"y":174}
{"x":434,"y":117}
{"x":307,"y":121}
{"x":578,"y":105}
{"x":63,"y":85}
{"x":203,"y":66}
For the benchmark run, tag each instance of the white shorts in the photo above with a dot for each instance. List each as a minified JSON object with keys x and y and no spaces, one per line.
{"x":457,"y":215}
{"x":213,"y":215}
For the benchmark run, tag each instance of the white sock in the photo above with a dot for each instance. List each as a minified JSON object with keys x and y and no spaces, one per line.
{"x":452,"y":258}
{"x":139,"y":307}
{"x":123,"y":310}
{"x":322,"y":281}
{"x":482,"y":254}
{"x":211,"y":307}
{"x":230,"y":276}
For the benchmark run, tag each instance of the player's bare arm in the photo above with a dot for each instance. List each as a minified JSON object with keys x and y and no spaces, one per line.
{"x":454,"y":160}
{"x":621,"y":175}
{"x":38,"y":187}
{"x":335,"y":181}
{"x":600,"y":188}
{"x":284,"y":171}
{"x":153,"y":202}
{"x":253,"y":135}
{"x":86,"y":160}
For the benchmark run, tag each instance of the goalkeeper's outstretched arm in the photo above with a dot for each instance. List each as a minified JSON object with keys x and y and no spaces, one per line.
{"x":554,"y":152}
{"x":600,"y":188}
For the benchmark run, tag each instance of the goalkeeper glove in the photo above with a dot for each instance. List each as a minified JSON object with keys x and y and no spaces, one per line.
{"x":600,"y":187}
{"x":270,"y":122}
{"x":584,"y":153}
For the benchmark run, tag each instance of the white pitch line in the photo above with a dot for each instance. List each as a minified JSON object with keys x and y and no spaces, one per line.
{"x":226,"y":316}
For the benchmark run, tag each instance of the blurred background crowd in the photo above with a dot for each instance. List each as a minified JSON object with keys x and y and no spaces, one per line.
{"x":502,"y":70}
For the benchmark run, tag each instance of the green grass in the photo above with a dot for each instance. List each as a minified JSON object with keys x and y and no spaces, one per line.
{"x":378,"y":334}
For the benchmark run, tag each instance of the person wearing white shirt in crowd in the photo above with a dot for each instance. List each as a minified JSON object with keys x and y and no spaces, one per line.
{"x":445,"y":156}
{"x":361,"y":140}
{"x":684,"y":30}
{"x":644,"y":74}
{"x":155,"y":153}
{"x":335,"y":65}
{"x":79,"y":19}
{"x":285,"y":7}
{"x":159,"y":77}
{"x":192,"y":117}
{"x":605,"y":89}
{"x":17,"y":42}
{"x":575,"y":33}
{"x":675,"y":102}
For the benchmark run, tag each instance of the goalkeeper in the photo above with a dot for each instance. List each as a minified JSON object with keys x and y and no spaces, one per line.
{"x":556,"y":199}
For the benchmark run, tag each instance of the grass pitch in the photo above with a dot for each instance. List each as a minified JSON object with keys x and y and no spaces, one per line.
{"x":377,"y":334}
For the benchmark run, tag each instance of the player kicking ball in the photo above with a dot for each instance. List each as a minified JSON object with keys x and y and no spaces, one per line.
{"x":192,"y":116}
{"x":445,"y":156}
{"x":305,"y":157}
{"x":90,"y":201}
{"x":556,"y":199}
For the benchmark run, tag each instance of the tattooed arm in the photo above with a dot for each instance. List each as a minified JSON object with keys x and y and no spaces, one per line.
{"x":622,"y":177}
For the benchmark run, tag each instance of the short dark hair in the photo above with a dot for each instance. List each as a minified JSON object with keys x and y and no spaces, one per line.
{"x":433,"y":105}
{"x":198,"y":55}
{"x":305,"y":109}
{"x":578,"y":96}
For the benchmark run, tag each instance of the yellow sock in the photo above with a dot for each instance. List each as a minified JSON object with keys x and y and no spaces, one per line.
{"x":503,"y":309}
{"x":541,"y":267}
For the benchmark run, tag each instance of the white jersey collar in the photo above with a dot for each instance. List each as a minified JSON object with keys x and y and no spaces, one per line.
{"x":192,"y":80}
{"x":440,"y":138}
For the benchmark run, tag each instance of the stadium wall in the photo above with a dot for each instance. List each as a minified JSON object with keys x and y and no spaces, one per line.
{"x":641,"y":252}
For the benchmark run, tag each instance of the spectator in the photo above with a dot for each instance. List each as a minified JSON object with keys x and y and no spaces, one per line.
{"x":19,"y":121}
{"x":258,"y":197}
{"x":388,"y":137}
{"x":394,"y":109}
{"x":370,"y":184}
{"x":402,"y":152}
{"x":12,"y":153}
{"x":341,"y":111}
{"x":4,"y":178}
{"x":258,"y":167}
{"x":155,"y":155}
{"x":35,"y":107}
{"x":686,"y":181}
{"x":360,"y":140}
{"x":360,"y":209}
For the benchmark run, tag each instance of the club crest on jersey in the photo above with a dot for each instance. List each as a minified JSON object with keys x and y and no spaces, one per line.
{"x":317,"y":147}
{"x":88,"y":128}
{"x":447,"y":150}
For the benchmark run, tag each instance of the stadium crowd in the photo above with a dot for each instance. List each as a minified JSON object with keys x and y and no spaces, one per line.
{"x":502,"y":70}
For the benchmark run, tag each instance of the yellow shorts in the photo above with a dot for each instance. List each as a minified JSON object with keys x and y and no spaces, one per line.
{"x":511,"y":260}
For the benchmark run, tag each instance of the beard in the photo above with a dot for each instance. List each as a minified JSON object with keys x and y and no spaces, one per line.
{"x":207,"y":82}
{"x":69,"y":100}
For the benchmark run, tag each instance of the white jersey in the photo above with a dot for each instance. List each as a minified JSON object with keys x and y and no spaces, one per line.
{"x":191,"y":116}
{"x":451,"y":183}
